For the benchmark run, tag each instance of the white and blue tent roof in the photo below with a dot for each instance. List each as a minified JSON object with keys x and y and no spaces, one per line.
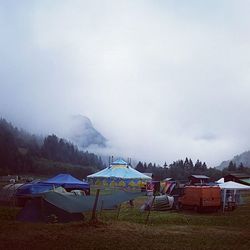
{"x":119,"y":169}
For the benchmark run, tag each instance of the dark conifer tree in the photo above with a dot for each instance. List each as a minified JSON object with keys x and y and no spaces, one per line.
{"x":139,"y":167}
{"x":231,"y":166}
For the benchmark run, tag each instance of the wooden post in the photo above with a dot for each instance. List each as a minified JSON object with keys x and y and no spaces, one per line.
{"x":118,"y":211}
{"x":42,"y":206}
{"x":224,"y":199}
{"x":14,"y":196}
{"x":93,"y":218}
{"x":101,"y":208}
{"x":150,"y":210}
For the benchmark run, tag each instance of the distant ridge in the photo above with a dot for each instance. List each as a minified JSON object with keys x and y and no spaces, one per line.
{"x":243,"y":158}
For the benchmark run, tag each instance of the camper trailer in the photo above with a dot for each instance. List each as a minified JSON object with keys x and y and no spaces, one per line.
{"x":201,"y":198}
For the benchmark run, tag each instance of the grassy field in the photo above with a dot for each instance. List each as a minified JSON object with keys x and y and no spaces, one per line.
{"x":165,"y":230}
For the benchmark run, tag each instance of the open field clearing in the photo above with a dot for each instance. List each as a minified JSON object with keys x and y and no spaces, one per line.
{"x":165,"y":230}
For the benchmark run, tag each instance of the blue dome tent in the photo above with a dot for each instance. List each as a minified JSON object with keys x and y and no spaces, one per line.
{"x":118,"y":174}
{"x":67,"y":181}
{"x":62,"y":180}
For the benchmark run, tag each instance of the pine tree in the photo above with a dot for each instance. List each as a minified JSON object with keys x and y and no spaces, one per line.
{"x":241,"y":167}
{"x":139,"y":167}
{"x":231,"y":166}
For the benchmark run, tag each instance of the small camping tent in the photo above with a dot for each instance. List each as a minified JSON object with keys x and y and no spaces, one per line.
{"x":119,"y":174}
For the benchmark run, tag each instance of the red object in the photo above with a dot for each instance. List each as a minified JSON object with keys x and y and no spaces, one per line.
{"x":150,"y":186}
{"x":201,"y":197}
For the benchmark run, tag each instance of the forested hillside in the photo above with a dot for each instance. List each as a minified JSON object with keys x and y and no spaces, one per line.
{"x":22,"y":153}
{"x":181,"y":169}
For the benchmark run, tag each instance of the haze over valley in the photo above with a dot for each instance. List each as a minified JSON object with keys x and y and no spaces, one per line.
{"x":159,"y":81}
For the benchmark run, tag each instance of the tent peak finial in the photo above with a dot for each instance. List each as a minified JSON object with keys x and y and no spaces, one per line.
{"x":119,"y":162}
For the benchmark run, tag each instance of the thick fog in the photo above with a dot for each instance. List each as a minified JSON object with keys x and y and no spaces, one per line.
{"x":161,"y":80}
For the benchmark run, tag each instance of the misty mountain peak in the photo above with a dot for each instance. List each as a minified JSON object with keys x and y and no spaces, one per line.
{"x":81,"y":120}
{"x":83,"y":133}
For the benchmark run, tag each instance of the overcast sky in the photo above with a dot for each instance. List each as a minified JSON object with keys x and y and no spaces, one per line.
{"x":161,"y":80}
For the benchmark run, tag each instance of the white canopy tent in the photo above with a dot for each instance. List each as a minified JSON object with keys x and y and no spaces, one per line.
{"x":221,"y":180}
{"x":231,"y":185}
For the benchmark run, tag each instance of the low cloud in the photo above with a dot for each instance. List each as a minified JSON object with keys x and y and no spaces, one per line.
{"x":160,"y":80}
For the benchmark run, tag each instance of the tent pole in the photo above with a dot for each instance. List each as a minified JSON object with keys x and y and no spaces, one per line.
{"x":14,"y":196}
{"x":118,"y":211}
{"x":224,"y":199}
{"x":146,"y":222}
{"x":42,"y":207}
{"x":234,"y":195}
{"x":101,"y":208}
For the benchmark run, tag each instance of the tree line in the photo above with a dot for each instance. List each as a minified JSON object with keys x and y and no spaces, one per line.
{"x":23,"y":153}
{"x":232,"y":167}
{"x":182,"y":169}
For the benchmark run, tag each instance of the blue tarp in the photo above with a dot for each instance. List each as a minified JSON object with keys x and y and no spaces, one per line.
{"x":64,"y":180}
{"x":34,"y":188}
{"x":67,"y":181}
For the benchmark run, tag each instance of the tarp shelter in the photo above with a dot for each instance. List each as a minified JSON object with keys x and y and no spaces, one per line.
{"x":68,"y":207}
{"x":233,"y":186}
{"x":79,"y":204}
{"x":118,"y":174}
{"x":68,"y":182}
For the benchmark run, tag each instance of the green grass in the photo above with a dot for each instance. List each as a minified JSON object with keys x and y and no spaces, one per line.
{"x":236,"y":218}
{"x":165,"y":230}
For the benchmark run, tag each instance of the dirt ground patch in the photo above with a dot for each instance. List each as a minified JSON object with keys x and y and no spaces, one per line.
{"x":119,"y":235}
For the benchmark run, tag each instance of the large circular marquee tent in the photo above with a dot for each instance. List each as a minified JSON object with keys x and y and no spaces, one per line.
{"x":118,"y":174}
